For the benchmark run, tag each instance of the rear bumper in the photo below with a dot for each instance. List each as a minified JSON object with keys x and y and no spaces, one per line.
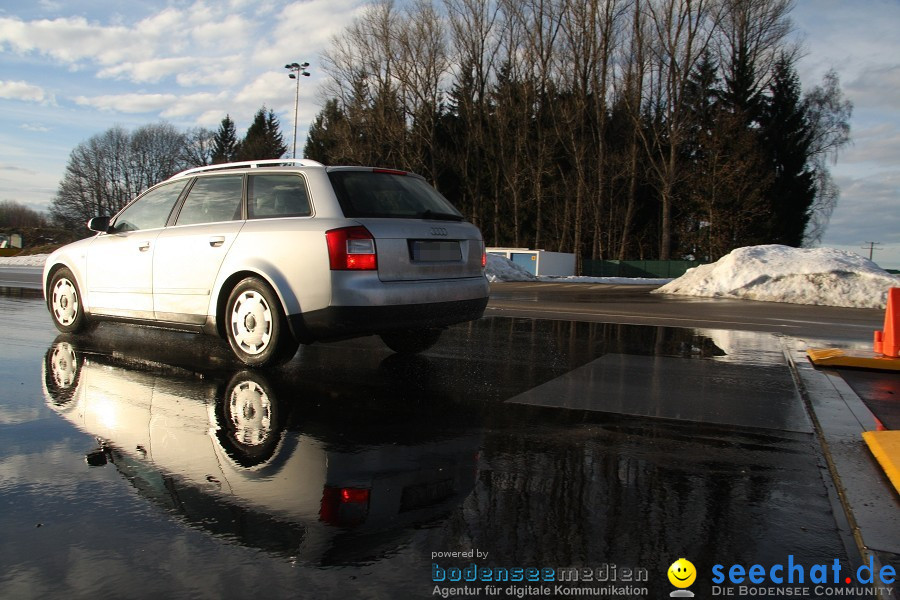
{"x":340,"y":322}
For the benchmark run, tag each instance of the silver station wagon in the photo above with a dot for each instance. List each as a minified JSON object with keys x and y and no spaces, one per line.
{"x":271,"y":254}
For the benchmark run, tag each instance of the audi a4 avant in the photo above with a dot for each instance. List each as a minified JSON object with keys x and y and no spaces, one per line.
{"x":271,"y":254}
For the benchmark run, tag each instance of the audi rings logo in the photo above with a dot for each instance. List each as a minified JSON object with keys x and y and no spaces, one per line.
{"x":439,"y":231}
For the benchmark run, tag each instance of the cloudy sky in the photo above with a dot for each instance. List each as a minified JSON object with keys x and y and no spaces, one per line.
{"x":70,"y":69}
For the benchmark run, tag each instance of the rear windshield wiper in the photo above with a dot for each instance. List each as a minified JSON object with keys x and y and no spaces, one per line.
{"x":430,"y":214}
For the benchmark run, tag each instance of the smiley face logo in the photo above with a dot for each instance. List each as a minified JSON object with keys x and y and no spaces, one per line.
{"x":682,"y":573}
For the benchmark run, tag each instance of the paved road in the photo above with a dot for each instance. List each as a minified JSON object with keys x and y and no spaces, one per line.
{"x":635,"y":305}
{"x":20,"y":277}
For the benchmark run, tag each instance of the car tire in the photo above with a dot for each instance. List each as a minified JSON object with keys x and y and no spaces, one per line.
{"x":411,"y":341}
{"x":255,"y":325}
{"x":64,"y":302}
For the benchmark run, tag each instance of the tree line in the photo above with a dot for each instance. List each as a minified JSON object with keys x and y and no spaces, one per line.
{"x":108,"y":170}
{"x":614,"y":129}
{"x":608,"y":128}
{"x":16,"y":215}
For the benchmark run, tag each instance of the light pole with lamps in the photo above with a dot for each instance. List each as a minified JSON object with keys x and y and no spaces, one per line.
{"x":296,"y":70}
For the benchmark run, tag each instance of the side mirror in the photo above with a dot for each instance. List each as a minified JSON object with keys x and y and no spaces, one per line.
{"x":100,"y":224}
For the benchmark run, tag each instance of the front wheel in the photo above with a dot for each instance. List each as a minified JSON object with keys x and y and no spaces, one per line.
{"x":255,"y":325}
{"x":411,"y":341}
{"x":64,"y":301}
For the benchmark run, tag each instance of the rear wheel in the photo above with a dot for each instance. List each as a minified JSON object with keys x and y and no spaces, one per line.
{"x":64,"y":301}
{"x":255,"y":325}
{"x":411,"y":341}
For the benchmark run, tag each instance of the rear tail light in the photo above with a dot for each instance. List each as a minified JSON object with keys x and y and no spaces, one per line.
{"x":344,"y":507}
{"x":483,"y":256}
{"x":351,"y":249}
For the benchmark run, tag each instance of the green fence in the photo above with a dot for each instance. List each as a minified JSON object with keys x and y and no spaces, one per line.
{"x":636,"y":268}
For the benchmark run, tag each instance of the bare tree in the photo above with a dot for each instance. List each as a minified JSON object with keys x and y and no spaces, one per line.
{"x":16,"y":214}
{"x":828,"y":113}
{"x":110,"y":169}
{"x":475,"y":42}
{"x":681,"y":32}
{"x":199,"y":147}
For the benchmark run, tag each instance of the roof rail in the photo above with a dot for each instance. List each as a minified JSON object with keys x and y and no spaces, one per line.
{"x":253,"y":164}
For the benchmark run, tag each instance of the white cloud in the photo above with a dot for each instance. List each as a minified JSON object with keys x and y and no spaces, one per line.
{"x":147,"y":71}
{"x":129,"y":103}
{"x":230,"y":33}
{"x":34,"y":127}
{"x":145,"y":51}
{"x":193,"y":104}
{"x":69,"y":39}
{"x":22,"y":90}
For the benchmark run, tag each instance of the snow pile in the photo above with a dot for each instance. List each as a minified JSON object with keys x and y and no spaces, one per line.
{"x":782,"y":274}
{"x":500,"y":268}
{"x":34,"y":260}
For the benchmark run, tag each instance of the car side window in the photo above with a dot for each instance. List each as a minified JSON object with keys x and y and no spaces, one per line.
{"x":149,"y":211}
{"x":272,"y":195}
{"x":212,"y":199}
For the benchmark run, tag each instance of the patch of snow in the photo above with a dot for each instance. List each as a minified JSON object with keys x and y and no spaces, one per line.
{"x":500,"y":268}
{"x":34,"y":260}
{"x":774,"y":273}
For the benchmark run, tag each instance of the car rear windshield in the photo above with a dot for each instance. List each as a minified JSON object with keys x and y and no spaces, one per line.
{"x":386,"y":194}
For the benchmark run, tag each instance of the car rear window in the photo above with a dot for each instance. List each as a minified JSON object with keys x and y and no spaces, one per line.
{"x":388,"y":194}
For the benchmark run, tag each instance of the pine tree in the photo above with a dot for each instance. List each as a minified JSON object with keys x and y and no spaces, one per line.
{"x":263,"y":139}
{"x":225,"y":142}
{"x":787,"y":137}
{"x":328,"y":136}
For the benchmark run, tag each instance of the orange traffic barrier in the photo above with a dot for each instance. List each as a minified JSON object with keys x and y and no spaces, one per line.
{"x":887,"y":341}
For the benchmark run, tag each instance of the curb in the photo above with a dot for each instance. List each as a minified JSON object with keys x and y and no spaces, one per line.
{"x":867,"y":499}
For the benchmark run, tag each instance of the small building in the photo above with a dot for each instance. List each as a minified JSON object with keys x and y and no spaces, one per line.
{"x":539,"y":262}
{"x":11,"y":240}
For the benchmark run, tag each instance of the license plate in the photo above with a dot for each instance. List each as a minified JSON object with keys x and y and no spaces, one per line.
{"x":432,"y":251}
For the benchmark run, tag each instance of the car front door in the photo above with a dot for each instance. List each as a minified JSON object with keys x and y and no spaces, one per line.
{"x":189,"y":254}
{"x":120,"y":262}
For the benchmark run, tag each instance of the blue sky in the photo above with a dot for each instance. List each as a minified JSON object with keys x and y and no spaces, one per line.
{"x":71,"y":69}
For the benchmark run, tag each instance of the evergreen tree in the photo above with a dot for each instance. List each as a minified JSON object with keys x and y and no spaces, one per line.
{"x":741,"y":95}
{"x":225,"y":142}
{"x":787,"y":138}
{"x":263,"y":139}
{"x":727,"y":177}
{"x":328,"y":135}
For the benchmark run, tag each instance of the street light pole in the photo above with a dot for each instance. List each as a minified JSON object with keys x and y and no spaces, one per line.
{"x":296,"y":69}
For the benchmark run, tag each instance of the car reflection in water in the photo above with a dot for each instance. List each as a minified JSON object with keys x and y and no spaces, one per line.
{"x":234,"y":458}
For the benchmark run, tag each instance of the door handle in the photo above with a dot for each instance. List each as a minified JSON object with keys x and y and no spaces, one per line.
{"x":144,"y":246}
{"x":216,"y":241}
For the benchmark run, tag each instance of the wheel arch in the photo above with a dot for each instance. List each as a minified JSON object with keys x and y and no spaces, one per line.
{"x":51,"y":271}
{"x":232,"y":281}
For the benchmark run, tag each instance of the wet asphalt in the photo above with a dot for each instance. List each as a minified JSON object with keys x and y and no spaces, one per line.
{"x":139,"y":463}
